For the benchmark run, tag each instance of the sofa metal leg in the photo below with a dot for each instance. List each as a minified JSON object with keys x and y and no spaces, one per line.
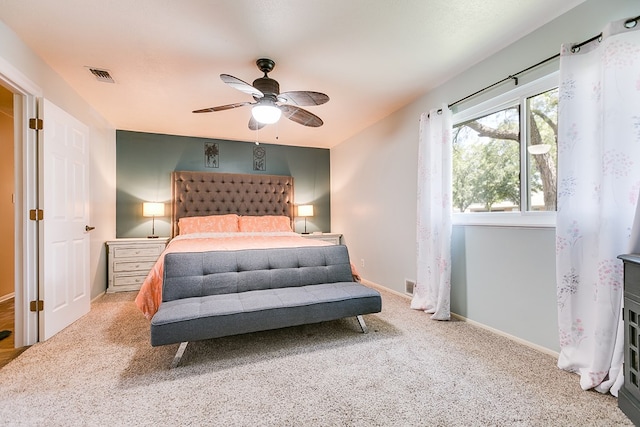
{"x":362,"y":324}
{"x":179,"y":353}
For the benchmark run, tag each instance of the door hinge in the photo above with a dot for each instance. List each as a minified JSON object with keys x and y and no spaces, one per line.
{"x":37,"y":305}
{"x":36,"y":124}
{"x":36,"y":214}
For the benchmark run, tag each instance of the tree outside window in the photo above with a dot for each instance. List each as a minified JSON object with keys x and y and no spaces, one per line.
{"x":490,"y":158}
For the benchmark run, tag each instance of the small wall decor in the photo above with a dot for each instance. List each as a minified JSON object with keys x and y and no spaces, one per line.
{"x":211,"y":155}
{"x":259,"y":159}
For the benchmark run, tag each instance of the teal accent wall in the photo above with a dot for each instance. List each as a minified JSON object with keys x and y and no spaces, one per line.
{"x":144,"y":162}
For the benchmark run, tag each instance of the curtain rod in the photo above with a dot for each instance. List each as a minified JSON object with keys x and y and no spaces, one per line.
{"x":629,"y":23}
{"x":511,"y":77}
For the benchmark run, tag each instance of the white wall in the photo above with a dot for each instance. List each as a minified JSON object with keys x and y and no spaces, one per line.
{"x":502,"y":277}
{"x":102,"y":175}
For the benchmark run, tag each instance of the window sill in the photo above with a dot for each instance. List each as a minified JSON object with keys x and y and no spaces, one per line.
{"x":507,"y":219}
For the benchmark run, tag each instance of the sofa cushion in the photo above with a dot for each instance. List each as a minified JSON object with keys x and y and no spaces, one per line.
{"x":200,"y":274}
{"x":214,"y":316}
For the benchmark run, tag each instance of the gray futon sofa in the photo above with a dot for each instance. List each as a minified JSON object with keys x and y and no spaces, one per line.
{"x":219,"y":293}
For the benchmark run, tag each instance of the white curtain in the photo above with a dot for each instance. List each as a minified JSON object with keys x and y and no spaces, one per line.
{"x":598,"y":182}
{"x":433,"y":284}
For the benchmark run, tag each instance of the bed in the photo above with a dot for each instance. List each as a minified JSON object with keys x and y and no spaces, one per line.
{"x":221,"y":212}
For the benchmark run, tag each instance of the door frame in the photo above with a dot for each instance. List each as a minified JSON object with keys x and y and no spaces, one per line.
{"x":27,"y":96}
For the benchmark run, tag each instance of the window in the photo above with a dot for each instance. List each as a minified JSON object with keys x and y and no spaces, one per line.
{"x":505,"y":156}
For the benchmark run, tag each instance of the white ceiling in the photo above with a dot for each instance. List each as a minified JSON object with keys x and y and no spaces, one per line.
{"x":370,"y":56}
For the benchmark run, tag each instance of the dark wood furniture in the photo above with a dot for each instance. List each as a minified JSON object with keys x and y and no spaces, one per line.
{"x":629,"y":394}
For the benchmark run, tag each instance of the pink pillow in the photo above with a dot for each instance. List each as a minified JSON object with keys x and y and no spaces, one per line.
{"x":208,"y":224}
{"x":265,"y":223}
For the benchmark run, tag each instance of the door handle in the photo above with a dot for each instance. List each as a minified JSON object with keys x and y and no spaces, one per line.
{"x":88,"y":228}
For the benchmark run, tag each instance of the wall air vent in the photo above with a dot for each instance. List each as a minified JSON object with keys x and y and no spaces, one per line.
{"x":409,"y":286}
{"x":101,"y":75}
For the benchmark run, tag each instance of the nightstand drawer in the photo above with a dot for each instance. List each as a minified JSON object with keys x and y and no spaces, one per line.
{"x":133,"y":265}
{"x":136,"y":252}
{"x":124,"y":280}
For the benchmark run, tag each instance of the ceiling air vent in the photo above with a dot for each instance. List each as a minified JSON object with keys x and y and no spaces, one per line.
{"x":102,"y":75}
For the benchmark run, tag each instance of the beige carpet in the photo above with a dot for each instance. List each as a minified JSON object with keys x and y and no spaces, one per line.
{"x":408,"y":371}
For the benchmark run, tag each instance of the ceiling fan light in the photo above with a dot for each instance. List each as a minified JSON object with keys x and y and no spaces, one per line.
{"x":266,"y":113}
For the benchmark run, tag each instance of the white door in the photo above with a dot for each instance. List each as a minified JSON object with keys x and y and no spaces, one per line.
{"x":64,"y":248}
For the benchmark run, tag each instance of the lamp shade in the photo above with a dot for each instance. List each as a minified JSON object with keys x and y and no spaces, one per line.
{"x":152,"y":209}
{"x":305,"y":210}
{"x":266,"y":113}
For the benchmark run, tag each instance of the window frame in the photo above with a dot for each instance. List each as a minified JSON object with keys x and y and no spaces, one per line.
{"x":515,"y":97}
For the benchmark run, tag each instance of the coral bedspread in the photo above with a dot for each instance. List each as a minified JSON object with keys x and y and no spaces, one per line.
{"x":150,"y":295}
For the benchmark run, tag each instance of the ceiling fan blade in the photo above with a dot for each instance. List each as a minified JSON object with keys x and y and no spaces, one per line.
{"x":301,"y":116}
{"x":222,"y":107}
{"x":303,"y":98}
{"x":242,"y":86}
{"x":254,"y":124}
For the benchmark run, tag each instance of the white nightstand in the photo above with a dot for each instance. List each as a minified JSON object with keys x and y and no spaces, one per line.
{"x":130,"y":260}
{"x":329,"y":237}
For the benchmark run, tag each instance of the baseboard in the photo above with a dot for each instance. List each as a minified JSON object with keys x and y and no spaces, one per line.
{"x":100,"y":295}
{"x":384,"y":288}
{"x":526,"y":343}
{"x":472,"y":322}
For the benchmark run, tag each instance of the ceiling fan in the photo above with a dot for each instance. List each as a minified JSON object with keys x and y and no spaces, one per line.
{"x":269,"y":103}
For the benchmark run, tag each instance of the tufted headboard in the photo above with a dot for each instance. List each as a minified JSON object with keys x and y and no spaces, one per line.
{"x":206,"y":193}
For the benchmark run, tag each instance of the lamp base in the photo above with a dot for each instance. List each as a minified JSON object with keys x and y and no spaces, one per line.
{"x":304,"y":233}
{"x":152,"y":237}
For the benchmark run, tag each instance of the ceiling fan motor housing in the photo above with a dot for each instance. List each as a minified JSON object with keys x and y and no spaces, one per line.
{"x":267,"y":86}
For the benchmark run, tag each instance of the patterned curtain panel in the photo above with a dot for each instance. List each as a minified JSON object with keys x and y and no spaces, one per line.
{"x":432,"y":292}
{"x":598,"y":182}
